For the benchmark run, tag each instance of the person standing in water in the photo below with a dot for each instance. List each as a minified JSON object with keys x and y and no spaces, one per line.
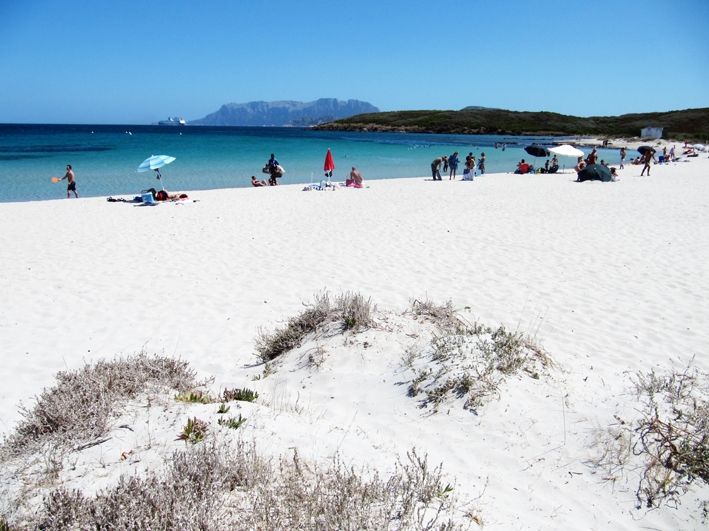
{"x":273,"y":170}
{"x":71,"y":182}
{"x":453,"y":165}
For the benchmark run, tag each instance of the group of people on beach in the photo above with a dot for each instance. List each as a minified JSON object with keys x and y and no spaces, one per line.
{"x":273,"y":169}
{"x":276,"y":171}
{"x":450,"y":166}
{"x":592,"y":158}
{"x":523,"y":167}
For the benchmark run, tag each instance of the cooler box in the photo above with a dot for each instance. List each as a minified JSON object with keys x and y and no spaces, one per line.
{"x":147,"y":198}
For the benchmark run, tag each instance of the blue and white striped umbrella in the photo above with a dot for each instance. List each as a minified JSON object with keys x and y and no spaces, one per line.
{"x":154,"y":162}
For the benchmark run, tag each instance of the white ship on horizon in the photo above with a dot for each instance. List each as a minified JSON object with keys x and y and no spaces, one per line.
{"x":173,"y":121}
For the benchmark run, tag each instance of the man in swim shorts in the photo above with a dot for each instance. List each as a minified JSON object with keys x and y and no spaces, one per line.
{"x":71,"y":182}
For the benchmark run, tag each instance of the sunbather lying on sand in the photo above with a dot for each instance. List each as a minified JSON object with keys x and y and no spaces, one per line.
{"x":163,"y":195}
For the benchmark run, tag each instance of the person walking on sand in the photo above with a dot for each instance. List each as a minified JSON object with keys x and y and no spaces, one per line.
{"x":71,"y":182}
{"x":648,"y":157}
{"x":453,"y":165}
{"x":481,"y":162}
{"x":435,"y":168}
{"x":622,"y":157}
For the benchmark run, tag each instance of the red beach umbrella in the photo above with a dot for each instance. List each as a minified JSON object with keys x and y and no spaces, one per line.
{"x":329,"y":163}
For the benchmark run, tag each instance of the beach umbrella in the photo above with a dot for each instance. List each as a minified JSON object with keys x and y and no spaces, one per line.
{"x":643,"y":149}
{"x":595,"y":172}
{"x":566,"y":150}
{"x":329,"y":163}
{"x":155,"y":162}
{"x":537,"y":151}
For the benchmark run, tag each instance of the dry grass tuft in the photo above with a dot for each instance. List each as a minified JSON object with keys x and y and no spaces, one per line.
{"x":442,"y":315}
{"x":351,"y":310}
{"x":80,"y":406}
{"x":214,"y":487}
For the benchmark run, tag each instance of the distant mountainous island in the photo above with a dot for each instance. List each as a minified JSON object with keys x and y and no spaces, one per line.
{"x":684,"y":124}
{"x":285,"y":113}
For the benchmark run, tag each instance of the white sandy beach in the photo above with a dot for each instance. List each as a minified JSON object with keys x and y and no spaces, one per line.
{"x":609,"y":278}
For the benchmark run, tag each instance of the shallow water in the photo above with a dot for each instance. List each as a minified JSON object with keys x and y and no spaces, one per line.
{"x":105,"y":157}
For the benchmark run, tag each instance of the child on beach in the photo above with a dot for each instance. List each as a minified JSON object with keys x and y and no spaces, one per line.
{"x":469,"y":171}
{"x":71,"y":182}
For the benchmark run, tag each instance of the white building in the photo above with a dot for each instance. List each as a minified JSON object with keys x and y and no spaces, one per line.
{"x":651,"y":132}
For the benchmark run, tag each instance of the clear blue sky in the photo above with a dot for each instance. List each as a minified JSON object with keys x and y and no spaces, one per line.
{"x":124,"y":61}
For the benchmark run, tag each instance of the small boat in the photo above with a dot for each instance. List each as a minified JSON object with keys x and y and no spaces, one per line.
{"x":173,"y":121}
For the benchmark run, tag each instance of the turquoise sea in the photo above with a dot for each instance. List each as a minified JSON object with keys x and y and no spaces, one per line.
{"x":105,"y":157}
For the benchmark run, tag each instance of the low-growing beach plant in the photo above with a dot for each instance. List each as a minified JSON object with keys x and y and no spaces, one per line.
{"x":666,"y":443}
{"x":243,"y":395}
{"x":232,"y":422}
{"x":215,"y":486}
{"x":351,"y":310}
{"x":469,"y":362}
{"x":443,"y":315}
{"x":194,"y":431}
{"x":194,"y":397}
{"x":81,"y":404}
{"x":316,"y":356}
{"x":223,"y":408}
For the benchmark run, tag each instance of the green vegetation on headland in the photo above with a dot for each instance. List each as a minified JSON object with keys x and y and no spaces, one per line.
{"x":685,"y":124}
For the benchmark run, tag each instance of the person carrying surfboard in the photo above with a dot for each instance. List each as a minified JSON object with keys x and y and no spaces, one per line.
{"x":71,"y":181}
